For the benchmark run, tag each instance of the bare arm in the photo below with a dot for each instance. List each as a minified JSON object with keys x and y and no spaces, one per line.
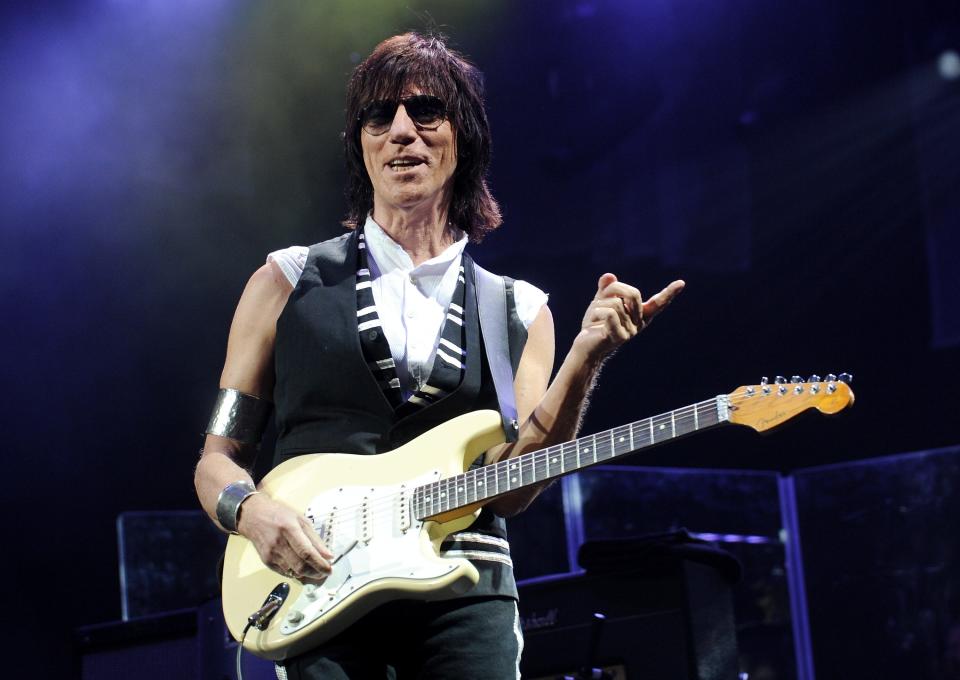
{"x":551,"y":415}
{"x":284,"y":540}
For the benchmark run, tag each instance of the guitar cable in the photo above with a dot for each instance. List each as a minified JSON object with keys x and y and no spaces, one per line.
{"x":240,"y":651}
{"x":260,"y":618}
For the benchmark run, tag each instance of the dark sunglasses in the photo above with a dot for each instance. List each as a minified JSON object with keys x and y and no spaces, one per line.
{"x":426,"y":111}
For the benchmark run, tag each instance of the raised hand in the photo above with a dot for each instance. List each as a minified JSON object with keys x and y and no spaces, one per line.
{"x":617,"y":313}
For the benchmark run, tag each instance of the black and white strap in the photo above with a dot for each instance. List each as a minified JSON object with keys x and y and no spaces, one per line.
{"x":475,"y":545}
{"x":376,"y":348}
{"x":450,"y":361}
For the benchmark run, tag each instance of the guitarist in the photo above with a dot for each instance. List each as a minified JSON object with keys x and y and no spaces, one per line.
{"x":417,"y":143}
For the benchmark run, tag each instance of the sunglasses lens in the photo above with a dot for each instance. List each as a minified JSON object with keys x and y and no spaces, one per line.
{"x":426,"y":111}
{"x":378,"y":116}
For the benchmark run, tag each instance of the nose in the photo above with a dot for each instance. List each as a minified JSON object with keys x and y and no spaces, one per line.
{"x":402,"y":129}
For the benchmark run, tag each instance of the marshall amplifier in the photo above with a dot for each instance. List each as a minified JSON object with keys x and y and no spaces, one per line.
{"x":652,"y":610}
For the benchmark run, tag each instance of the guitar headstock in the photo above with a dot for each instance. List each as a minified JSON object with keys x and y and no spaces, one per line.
{"x":766,"y":405}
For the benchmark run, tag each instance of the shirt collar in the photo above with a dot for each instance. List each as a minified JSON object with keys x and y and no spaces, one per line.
{"x":390,"y":255}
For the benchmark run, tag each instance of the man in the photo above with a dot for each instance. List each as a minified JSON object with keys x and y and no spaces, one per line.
{"x":366,"y":341}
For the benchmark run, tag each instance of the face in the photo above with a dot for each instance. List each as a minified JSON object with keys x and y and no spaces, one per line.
{"x":410,"y":167}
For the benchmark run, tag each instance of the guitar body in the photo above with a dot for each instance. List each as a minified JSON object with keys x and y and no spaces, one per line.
{"x":360,"y":505}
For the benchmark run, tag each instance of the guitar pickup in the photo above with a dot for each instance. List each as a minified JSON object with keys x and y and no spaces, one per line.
{"x":366,"y":521}
{"x":403,"y":509}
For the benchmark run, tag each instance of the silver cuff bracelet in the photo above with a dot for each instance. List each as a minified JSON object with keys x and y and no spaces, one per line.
{"x":228,"y":503}
{"x":239,"y":416}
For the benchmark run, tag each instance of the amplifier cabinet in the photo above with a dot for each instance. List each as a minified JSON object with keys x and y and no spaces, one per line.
{"x":674,"y":625}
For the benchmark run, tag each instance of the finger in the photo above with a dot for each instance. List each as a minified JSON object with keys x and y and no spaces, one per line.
{"x":632,"y":300}
{"x":608,"y":323}
{"x":658,"y":302}
{"x":618,"y":331}
{"x":311,"y":534}
{"x":604,"y":281}
{"x":316,"y":579}
{"x":285,"y":566}
{"x":617,"y":305}
{"x":308,"y":555}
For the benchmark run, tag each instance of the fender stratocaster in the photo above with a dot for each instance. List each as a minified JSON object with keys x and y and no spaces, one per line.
{"x":385,"y":516}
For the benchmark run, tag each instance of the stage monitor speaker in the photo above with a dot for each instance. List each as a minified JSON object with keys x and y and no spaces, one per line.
{"x":192,"y":644}
{"x":672,"y":624}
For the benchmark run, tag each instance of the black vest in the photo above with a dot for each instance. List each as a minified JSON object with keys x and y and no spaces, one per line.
{"x":327,"y":400}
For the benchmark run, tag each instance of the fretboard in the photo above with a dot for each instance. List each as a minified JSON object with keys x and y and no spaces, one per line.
{"x":483,"y":483}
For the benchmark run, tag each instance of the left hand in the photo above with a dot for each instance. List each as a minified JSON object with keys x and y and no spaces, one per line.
{"x":616,"y":314}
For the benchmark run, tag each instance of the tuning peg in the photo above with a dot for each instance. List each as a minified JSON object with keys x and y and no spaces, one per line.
{"x":845,"y":378}
{"x":796,"y":379}
{"x":764,"y":380}
{"x":813,"y":378}
{"x":780,"y":380}
{"x":831,"y":383}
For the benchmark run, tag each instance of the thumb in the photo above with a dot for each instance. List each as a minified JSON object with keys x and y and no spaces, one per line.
{"x":604,"y":281}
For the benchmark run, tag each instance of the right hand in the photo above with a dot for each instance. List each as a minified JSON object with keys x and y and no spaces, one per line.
{"x":285,"y":540}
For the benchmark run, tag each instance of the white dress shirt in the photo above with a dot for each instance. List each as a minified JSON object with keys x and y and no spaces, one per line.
{"x":411,"y":301}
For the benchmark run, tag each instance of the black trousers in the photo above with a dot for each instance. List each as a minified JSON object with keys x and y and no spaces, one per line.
{"x":465,"y":639}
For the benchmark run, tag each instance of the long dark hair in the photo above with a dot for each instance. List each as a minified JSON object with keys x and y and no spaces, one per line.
{"x":425,"y":62}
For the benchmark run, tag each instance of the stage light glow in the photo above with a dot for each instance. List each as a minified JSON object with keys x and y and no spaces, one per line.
{"x":949,"y":65}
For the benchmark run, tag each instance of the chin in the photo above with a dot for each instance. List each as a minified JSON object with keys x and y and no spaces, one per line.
{"x":408,"y":199}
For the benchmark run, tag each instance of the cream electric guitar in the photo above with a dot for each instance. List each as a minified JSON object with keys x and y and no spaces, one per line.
{"x":385,"y":516}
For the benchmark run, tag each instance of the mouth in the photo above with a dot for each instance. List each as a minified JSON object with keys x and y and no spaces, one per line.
{"x":405,"y":163}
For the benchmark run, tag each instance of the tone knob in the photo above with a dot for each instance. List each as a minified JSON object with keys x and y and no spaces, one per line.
{"x":295,"y":616}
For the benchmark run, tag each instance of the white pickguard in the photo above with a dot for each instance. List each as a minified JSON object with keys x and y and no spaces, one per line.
{"x":372,"y":532}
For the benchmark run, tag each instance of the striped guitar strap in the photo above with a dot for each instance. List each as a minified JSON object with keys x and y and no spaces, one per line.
{"x":449,"y":364}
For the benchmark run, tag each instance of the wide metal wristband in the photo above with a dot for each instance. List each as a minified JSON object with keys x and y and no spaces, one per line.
{"x":228,"y":503}
{"x":239,"y":416}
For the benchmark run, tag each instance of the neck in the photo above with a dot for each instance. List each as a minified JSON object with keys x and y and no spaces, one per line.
{"x":442,"y":499}
{"x":423,"y":234}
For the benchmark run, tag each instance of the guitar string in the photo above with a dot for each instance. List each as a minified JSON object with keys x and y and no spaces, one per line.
{"x":528,"y":462}
{"x":387,"y":505}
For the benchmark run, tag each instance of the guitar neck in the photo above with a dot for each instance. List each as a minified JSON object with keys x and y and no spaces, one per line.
{"x":481,"y":484}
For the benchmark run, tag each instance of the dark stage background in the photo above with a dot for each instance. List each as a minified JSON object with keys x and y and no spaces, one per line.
{"x":796,"y":163}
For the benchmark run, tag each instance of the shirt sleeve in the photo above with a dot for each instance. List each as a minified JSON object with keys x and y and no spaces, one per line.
{"x":529,"y":300}
{"x":291,"y":262}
